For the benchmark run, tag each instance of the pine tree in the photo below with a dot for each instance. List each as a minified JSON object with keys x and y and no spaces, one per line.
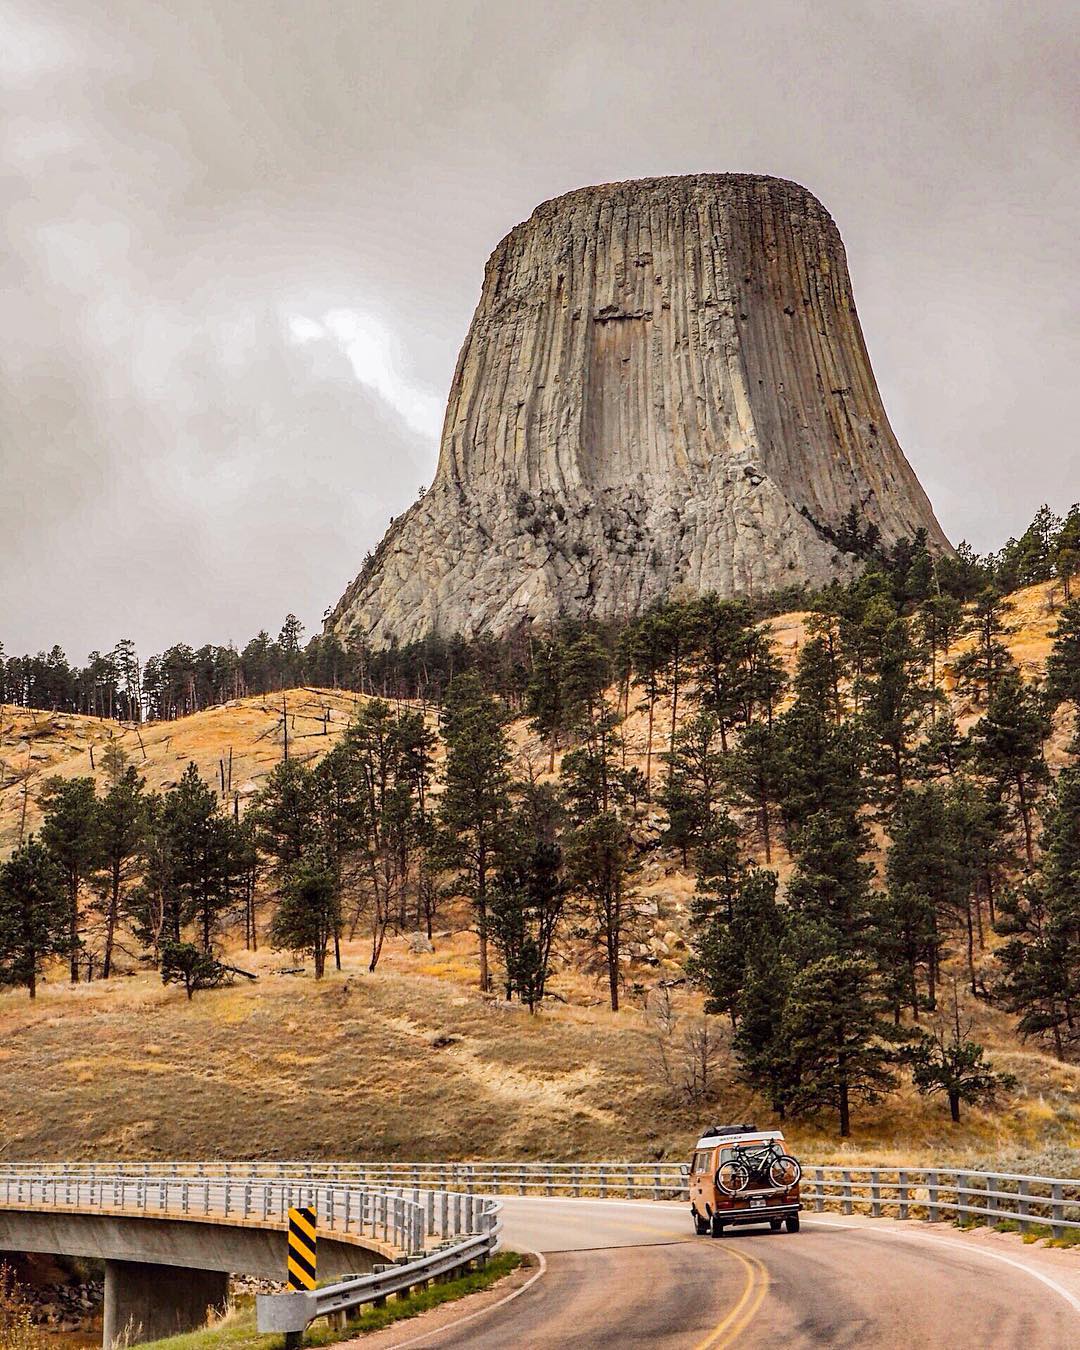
{"x":193,"y":967}
{"x":307,"y":916}
{"x":695,"y":782}
{"x":202,"y":857}
{"x":893,"y":704}
{"x":34,"y":914}
{"x":1063,"y":663}
{"x":600,"y":861}
{"x":832,"y":1032}
{"x":729,"y":661}
{"x":121,"y":829}
{"x":1009,"y":749}
{"x":1041,"y":920}
{"x":979,"y":669}
{"x":830,"y":886}
{"x":70,"y":833}
{"x":758,"y":941}
{"x":1066,"y":550}
{"x":1036,"y":983}
{"x":758,"y":775}
{"x":927,"y":883}
{"x":476,"y":795}
{"x":648,"y":651}
{"x":544,"y":697}
{"x":600,"y":864}
{"x":718,"y":961}
{"x":948,"y":1061}
{"x":529,"y":893}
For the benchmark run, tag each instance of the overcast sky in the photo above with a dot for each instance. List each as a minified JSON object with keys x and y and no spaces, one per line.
{"x":245,"y":239}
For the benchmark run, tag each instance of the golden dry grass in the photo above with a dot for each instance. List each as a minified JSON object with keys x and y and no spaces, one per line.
{"x":412,"y":1062}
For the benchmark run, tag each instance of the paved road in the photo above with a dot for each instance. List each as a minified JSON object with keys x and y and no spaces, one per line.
{"x":622,"y":1274}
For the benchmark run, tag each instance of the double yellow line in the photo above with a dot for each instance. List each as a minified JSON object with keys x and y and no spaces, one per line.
{"x":727,"y":1332}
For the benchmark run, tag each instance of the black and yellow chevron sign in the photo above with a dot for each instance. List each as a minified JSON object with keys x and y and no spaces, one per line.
{"x":302,"y":1248}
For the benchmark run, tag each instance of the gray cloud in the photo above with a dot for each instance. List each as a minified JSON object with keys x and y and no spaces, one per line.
{"x":245,"y":239}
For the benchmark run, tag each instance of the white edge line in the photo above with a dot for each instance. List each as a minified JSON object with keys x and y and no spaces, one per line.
{"x":970,"y":1248}
{"x":480,"y":1312}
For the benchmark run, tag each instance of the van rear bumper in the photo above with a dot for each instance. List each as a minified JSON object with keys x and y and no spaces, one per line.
{"x":748,"y":1215}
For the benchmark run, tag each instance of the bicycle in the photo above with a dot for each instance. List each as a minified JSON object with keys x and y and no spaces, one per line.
{"x":768,"y":1161}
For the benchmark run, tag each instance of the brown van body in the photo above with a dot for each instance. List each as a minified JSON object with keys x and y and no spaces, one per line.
{"x":712,"y":1210}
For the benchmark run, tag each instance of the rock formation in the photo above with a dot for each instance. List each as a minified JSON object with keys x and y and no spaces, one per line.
{"x":664,"y":388}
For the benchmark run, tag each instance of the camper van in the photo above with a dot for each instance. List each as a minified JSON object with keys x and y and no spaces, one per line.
{"x":740,"y":1174}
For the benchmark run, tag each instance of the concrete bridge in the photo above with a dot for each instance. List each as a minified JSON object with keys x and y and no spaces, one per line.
{"x":170,"y":1243}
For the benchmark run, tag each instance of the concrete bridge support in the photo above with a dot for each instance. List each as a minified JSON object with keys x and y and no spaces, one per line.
{"x":145,"y":1302}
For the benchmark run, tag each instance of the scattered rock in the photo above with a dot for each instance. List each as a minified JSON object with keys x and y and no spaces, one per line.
{"x":420,"y":942}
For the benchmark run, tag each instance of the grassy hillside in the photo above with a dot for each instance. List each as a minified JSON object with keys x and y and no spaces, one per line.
{"x":412,"y":1061}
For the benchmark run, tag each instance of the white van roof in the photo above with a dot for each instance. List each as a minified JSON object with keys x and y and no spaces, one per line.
{"x":735,"y":1134}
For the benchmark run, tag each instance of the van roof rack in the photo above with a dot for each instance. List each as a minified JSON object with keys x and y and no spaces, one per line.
{"x":730,"y":1129}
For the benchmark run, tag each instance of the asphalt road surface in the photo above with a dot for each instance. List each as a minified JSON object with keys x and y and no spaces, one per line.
{"x":626,"y":1274}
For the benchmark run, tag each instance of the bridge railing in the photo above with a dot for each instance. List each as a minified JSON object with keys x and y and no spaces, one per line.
{"x":644,"y":1181}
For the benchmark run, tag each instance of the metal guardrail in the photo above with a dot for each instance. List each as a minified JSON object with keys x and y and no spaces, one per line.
{"x":291,"y":1313}
{"x":996,"y":1199}
{"x":993,"y":1198}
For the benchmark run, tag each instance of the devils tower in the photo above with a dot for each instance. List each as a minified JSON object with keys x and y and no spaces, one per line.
{"x":664,"y":387}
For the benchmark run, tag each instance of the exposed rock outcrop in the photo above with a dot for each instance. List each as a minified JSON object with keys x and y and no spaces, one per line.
{"x":664,"y":386}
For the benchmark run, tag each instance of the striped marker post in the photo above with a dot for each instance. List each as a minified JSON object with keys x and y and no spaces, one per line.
{"x":302,"y":1248}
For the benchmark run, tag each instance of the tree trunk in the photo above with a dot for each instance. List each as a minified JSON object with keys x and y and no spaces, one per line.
{"x":1025,"y":815}
{"x":954,"y":1106}
{"x":845,"y":1112}
{"x":73,"y":936}
{"x":110,"y":921}
{"x":648,"y":745}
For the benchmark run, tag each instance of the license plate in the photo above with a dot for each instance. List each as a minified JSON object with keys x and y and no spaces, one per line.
{"x":758,"y":1204}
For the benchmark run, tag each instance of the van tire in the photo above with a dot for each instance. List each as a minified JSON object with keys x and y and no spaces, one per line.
{"x":701,"y":1226}
{"x":792,"y":1222}
{"x":776,"y":1224}
{"x":717,"y":1226}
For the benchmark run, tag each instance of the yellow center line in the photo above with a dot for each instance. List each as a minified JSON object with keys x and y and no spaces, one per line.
{"x":742,"y":1314}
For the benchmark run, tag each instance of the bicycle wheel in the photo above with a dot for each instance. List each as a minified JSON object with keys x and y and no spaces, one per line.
{"x":732,"y":1177}
{"x":784,"y":1171}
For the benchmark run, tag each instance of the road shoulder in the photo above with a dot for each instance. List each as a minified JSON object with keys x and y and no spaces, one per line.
{"x":417,"y":1330}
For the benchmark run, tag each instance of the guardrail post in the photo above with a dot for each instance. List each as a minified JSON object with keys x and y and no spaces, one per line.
{"x":656,"y":1183}
{"x":1023,"y":1209}
{"x":575,"y":1179}
{"x":902,"y":1194}
{"x":1057,"y":1200}
{"x":932,"y":1192}
{"x":847,"y":1193}
{"x":603,"y":1182}
{"x":819,"y":1189}
{"x":992,"y":1202}
{"x":444,"y":1215}
{"x":963,"y":1202}
{"x":875,"y":1194}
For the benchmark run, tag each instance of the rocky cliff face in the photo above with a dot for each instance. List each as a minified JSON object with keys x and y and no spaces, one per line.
{"x":664,"y":386}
